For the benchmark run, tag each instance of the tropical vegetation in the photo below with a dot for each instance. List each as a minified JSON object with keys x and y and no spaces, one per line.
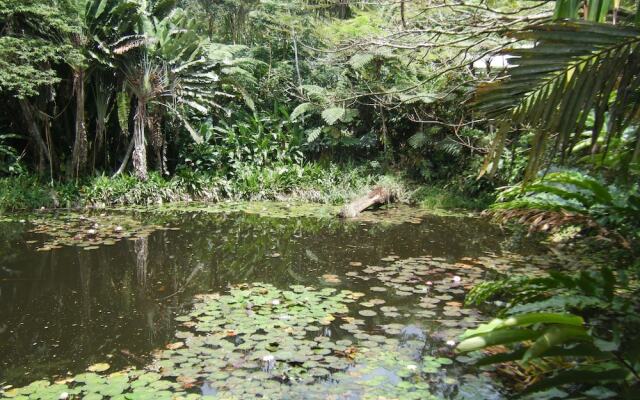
{"x":533,"y":106}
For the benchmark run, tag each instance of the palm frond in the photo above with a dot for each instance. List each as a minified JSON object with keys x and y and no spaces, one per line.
{"x":573,"y":70}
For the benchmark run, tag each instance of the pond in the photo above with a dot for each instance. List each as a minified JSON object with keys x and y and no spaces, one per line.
{"x":198,"y":300}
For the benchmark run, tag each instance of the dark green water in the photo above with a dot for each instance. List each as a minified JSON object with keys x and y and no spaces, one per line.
{"x":65,"y":309}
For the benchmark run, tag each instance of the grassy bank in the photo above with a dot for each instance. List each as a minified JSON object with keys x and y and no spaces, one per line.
{"x":310,"y":183}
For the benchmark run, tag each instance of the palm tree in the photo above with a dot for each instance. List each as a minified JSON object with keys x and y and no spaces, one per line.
{"x":147,"y":81}
{"x":100,"y":23}
{"x":170,"y":73}
{"x":576,"y":70}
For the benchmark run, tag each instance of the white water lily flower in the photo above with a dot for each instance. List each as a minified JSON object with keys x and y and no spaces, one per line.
{"x":451,"y":343}
{"x":457,"y":278}
{"x":63,"y":396}
{"x":268,"y":358}
{"x":412,"y":367}
{"x":275,"y":302}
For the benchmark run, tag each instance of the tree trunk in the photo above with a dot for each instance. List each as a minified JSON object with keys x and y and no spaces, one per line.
{"x":139,"y":147}
{"x":34,"y":130}
{"x":378,"y":196}
{"x":99,"y":141}
{"x":296,"y":59}
{"x":79,"y":157}
{"x":125,"y":161}
{"x":158,"y":142}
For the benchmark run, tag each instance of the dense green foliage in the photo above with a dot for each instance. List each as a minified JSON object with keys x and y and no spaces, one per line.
{"x":592,"y":355}
{"x":576,"y":88}
{"x":209,"y":87}
{"x":564,"y":198}
{"x":321,"y":100}
{"x":580,"y":76}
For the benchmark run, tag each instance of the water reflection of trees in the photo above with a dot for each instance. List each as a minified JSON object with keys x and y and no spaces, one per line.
{"x":141,"y":246}
{"x":97,"y":303}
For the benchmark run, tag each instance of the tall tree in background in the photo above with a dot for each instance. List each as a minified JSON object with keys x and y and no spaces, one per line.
{"x":98,"y":22}
{"x":169,"y":70}
{"x":33,"y":41}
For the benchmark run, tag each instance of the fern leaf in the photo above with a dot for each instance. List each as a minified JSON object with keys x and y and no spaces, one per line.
{"x":360,"y":60}
{"x":248,"y":100}
{"x":418,"y":141}
{"x":313,"y":134}
{"x":314,"y":90}
{"x":332,"y":115}
{"x":301,"y":110}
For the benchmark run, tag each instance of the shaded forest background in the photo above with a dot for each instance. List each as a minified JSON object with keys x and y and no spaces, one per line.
{"x":102,"y":87}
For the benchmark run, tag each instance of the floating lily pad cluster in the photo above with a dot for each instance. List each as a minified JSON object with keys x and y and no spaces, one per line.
{"x":88,"y":232}
{"x":395,"y":215}
{"x":284,"y":342}
{"x":259,"y":341}
{"x":268,"y":209}
{"x":439,"y":286}
{"x":130,"y":384}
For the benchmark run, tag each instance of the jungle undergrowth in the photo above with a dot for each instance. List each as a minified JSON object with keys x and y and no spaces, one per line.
{"x":314,"y":183}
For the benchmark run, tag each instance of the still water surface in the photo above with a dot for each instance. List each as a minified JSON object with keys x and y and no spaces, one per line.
{"x":64,"y":309}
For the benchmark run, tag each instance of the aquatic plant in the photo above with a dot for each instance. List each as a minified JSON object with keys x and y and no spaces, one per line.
{"x":275,"y":339}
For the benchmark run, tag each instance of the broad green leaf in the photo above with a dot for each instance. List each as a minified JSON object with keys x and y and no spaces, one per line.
{"x":554,"y":336}
{"x":505,"y":336}
{"x":524,"y":320}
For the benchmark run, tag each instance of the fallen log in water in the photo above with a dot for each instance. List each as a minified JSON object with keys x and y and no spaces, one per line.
{"x":378,"y":196}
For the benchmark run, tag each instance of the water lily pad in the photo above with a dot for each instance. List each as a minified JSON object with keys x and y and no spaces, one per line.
{"x":367,"y":313}
{"x":99,"y":367}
